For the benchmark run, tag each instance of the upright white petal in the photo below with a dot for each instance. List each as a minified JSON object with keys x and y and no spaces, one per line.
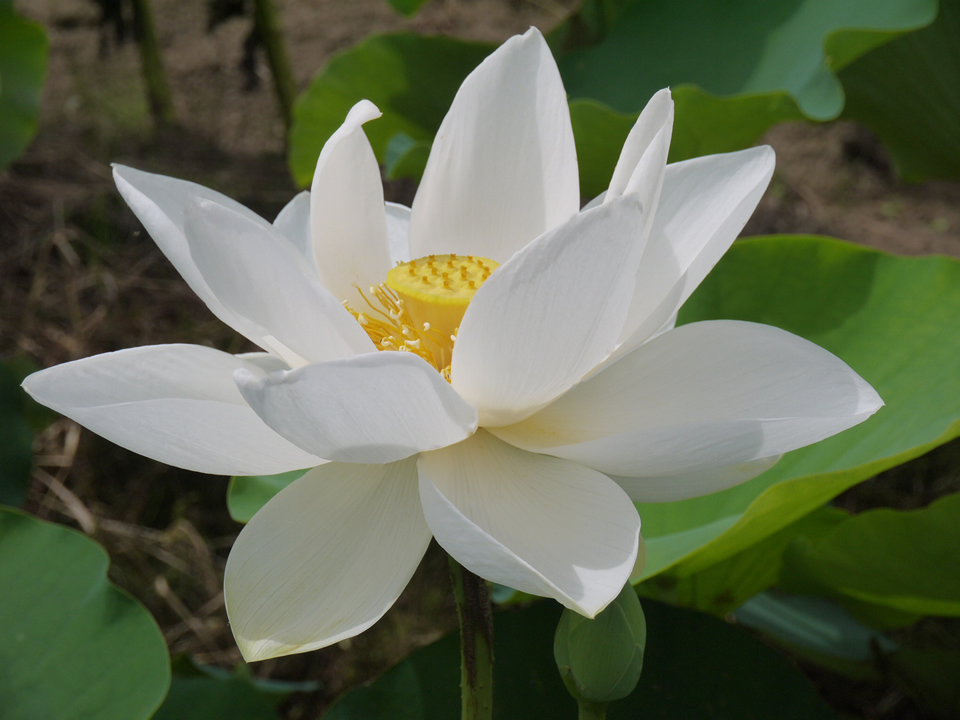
{"x":538,"y":524}
{"x":293,"y":223}
{"x":266,"y":283}
{"x":704,"y":205}
{"x":346,"y":213}
{"x":549,"y":315}
{"x":643,"y":159}
{"x":173,"y":403}
{"x":325,"y":558}
{"x":503,"y":167}
{"x":699,"y":397}
{"x":372,"y":408}
{"x":398,"y":232}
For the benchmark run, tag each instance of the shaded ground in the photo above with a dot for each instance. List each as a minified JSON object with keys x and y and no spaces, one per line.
{"x":80,"y":277}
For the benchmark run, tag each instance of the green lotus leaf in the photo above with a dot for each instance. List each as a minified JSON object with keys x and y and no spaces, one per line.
{"x":72,"y":645}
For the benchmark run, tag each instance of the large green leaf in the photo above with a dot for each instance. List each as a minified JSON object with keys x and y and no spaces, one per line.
{"x":908,"y":92}
{"x":72,"y":645}
{"x":721,"y":588}
{"x":695,"y":666}
{"x":742,"y":48}
{"x":23,"y":64}
{"x":412,"y":79}
{"x":905,"y":560}
{"x":892,"y":319}
{"x":737,"y":68}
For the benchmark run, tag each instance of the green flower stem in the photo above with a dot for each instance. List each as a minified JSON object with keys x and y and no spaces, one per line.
{"x":476,"y":643}
{"x":154,"y":77}
{"x":268,"y":27}
{"x":592,"y":711}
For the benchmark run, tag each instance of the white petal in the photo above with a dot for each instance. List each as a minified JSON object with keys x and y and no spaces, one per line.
{"x":372,"y":408}
{"x":325,"y":558}
{"x":703,"y":207}
{"x":643,"y":158}
{"x":700,"y":396}
{"x":398,"y":232}
{"x":547,"y":317}
{"x":174,"y":403}
{"x":160,"y":203}
{"x":347,"y":215}
{"x":688,"y":485}
{"x":267,"y":284}
{"x":538,"y":524}
{"x":503,"y":167}
{"x":293,"y":223}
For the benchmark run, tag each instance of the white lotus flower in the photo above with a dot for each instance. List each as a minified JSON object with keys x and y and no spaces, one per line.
{"x":520,"y":445}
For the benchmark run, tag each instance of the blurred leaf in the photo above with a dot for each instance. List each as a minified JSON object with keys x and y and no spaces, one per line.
{"x":696,"y":666}
{"x":723,"y":587}
{"x":818,"y":630}
{"x":892,"y":319}
{"x":72,"y":645}
{"x":405,"y":157}
{"x":23,"y":64}
{"x":908,"y":92}
{"x":412,"y":79}
{"x":736,"y":69}
{"x":907,"y":560}
{"x":931,"y":677}
{"x":207,"y":698}
{"x":205,"y":692}
{"x":749,"y":47}
{"x":16,"y":438}
{"x":246,"y":494}
{"x":407,"y":8}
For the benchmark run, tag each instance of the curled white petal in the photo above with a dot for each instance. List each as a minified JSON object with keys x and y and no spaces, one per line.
{"x":348,"y":224}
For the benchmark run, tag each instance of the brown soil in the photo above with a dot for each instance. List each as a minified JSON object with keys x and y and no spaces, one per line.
{"x":80,"y":277}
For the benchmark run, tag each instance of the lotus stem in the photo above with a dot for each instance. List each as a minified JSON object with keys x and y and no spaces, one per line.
{"x":592,"y":711}
{"x":476,"y":643}
{"x":154,"y":77}
{"x":268,"y":28}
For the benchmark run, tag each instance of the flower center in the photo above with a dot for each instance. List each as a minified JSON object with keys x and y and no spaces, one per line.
{"x":419,"y":307}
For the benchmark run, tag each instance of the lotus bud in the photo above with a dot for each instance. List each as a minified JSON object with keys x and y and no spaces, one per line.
{"x":600,"y":659}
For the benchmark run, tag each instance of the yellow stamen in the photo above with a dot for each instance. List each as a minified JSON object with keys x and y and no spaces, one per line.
{"x":416,"y":295}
